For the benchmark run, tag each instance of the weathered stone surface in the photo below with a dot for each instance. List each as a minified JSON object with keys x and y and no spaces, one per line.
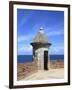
{"x":26,"y":69}
{"x":57,"y":64}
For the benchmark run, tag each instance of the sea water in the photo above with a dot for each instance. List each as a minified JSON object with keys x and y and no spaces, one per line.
{"x":28,"y":58}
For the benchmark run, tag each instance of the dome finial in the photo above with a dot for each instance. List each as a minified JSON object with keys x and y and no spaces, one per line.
{"x":41,"y":28}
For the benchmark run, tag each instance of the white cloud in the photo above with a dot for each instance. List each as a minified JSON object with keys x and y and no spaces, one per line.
{"x":25,"y":19}
{"x":25,"y":49}
{"x":54,"y":27}
{"x":54,"y":33}
{"x":57,"y":50}
{"x":25,"y":38}
{"x":22,"y":38}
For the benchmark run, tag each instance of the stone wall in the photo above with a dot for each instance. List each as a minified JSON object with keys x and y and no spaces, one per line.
{"x":26,"y":69}
{"x":56,"y":64}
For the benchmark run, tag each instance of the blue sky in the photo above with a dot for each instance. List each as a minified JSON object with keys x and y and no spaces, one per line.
{"x":28,"y":24}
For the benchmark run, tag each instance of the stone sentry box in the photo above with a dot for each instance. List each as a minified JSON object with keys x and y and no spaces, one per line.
{"x":41,"y":50}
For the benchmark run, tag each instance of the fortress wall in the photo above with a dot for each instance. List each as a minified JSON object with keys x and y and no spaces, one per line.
{"x":26,"y":69}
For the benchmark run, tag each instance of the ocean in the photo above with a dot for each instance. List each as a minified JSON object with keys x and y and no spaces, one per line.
{"x":28,"y":58}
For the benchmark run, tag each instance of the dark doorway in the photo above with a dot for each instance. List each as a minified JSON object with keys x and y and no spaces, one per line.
{"x":45,"y":60}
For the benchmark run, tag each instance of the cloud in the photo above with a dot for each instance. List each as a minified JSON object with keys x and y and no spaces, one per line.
{"x":57,"y":50}
{"x":22,"y":38}
{"x":55,"y":33}
{"x":25,"y":19}
{"x":54,"y":27}
{"x":25,"y":37}
{"x":25,"y":49}
{"x":57,"y":29}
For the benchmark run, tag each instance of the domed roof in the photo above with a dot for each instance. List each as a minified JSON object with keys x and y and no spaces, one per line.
{"x":41,"y":37}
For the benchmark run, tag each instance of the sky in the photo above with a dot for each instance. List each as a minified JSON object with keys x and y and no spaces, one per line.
{"x":29,"y":23}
